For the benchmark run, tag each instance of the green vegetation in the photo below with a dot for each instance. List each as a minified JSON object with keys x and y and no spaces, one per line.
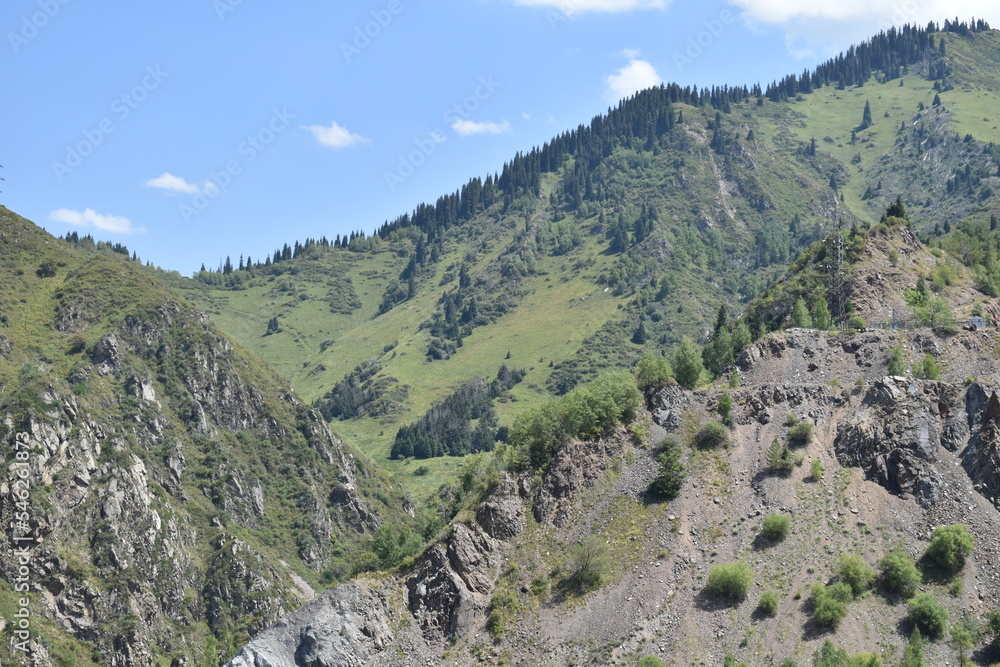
{"x":801,"y":433}
{"x":897,"y":366}
{"x":830,"y":656}
{"x":588,"y":565}
{"x":928,"y":616}
{"x":899,"y":574}
{"x":651,"y":661}
{"x":730,"y":661}
{"x":780,"y":459}
{"x":816,"y":470}
{"x":853,"y":571}
{"x":711,"y":435}
{"x":687,"y":363}
{"x":768,"y":605}
{"x":672,"y":472}
{"x":652,"y":370}
{"x":929,"y":369}
{"x":949,"y":547}
{"x":914,"y":654}
{"x":829,"y":603}
{"x":775,"y":527}
{"x":730,"y":580}
{"x":725,"y":408}
{"x":583,"y":413}
{"x":447,"y":427}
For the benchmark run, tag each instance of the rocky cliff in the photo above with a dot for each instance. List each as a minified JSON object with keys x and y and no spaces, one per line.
{"x":173,"y":495}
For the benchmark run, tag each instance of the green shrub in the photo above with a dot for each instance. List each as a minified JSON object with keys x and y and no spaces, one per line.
{"x":651,"y":661}
{"x":928,"y":616}
{"x":712,"y":435}
{"x":899,"y":575}
{"x":950,"y":545}
{"x":993,"y":624}
{"x":668,"y":483}
{"x":929,"y":369}
{"x":816,"y":470}
{"x":780,"y":459}
{"x":768,"y":605}
{"x":775,"y":527}
{"x":730,"y":661}
{"x":856,"y":322}
{"x":652,"y":371}
{"x":896,"y":364}
{"x":801,"y":433}
{"x":504,"y":607}
{"x":829,"y":603}
{"x":855,"y":573}
{"x":588,"y":564}
{"x":730,"y":580}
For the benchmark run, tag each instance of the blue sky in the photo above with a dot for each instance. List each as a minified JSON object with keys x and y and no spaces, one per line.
{"x":196,"y":129}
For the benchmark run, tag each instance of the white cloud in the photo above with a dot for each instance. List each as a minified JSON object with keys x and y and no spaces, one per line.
{"x":169,"y":182}
{"x":637,"y":75}
{"x":570,"y":7}
{"x":109,"y":223}
{"x":827,"y":28}
{"x":526,"y":115}
{"x":335,"y":136}
{"x":631,"y":54}
{"x":468,"y":127}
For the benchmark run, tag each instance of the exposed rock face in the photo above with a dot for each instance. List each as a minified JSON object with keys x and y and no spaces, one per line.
{"x":446,"y":593}
{"x":342,"y":628}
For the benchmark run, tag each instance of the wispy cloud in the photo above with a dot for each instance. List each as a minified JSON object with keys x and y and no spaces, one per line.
{"x":637,"y":75}
{"x":468,"y":127}
{"x":829,"y":27}
{"x":611,"y":6}
{"x":335,"y":136}
{"x":170,"y":183}
{"x":631,"y":54}
{"x":89,"y":218}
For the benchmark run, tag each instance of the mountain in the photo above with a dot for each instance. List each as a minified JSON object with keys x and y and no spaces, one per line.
{"x":520,"y":475}
{"x":833,"y":475}
{"x":622,"y":236}
{"x":172,"y":495}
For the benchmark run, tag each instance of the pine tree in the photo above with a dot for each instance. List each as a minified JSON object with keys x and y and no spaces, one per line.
{"x":937,"y":100}
{"x":273,"y":327}
{"x":821,"y":314}
{"x":866,"y":117}
{"x":800,"y":314}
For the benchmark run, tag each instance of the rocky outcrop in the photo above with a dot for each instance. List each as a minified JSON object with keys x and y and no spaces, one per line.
{"x":344,"y":627}
{"x":446,"y":593}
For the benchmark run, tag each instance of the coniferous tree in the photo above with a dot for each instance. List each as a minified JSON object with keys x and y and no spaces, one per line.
{"x":821,"y":314}
{"x":800,"y":314}
{"x":273,"y":327}
{"x":866,"y":117}
{"x":687,"y":363}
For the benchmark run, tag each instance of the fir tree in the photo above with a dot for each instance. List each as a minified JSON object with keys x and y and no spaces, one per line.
{"x":800,"y":314}
{"x":866,"y":117}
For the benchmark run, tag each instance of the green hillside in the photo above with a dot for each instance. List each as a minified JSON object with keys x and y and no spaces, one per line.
{"x":621,"y":237}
